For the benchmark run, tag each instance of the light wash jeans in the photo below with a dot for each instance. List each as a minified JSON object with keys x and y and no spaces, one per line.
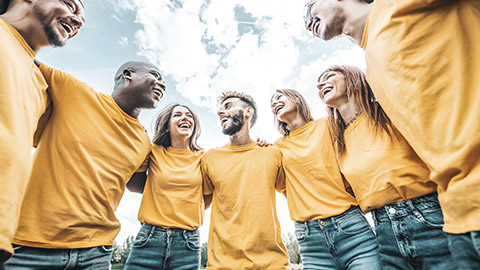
{"x":31,"y":258}
{"x":345,"y":241}
{"x":410,"y":235}
{"x":159,"y":248}
{"x":465,"y":249}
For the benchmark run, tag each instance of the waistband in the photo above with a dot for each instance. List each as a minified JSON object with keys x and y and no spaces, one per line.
{"x":351,"y":212}
{"x":405,"y":208}
{"x":171,"y":231}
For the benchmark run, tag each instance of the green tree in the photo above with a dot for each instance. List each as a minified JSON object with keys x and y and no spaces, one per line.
{"x":126,"y":247}
{"x":292,"y":248}
{"x":116,"y":256}
{"x":204,"y":254}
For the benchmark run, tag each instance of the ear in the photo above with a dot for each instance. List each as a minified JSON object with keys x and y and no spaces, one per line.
{"x":127,"y":74}
{"x":249,"y":112}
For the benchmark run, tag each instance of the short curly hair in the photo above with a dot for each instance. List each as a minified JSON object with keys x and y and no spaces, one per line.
{"x":248,"y":100}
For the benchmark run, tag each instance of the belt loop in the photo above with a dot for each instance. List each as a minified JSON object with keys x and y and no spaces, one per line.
{"x":152,"y":231}
{"x":307,"y":230}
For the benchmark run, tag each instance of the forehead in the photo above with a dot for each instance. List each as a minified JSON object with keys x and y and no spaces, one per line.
{"x":324,"y":75}
{"x":277,"y":95}
{"x":180,"y":109}
{"x":232,"y":100}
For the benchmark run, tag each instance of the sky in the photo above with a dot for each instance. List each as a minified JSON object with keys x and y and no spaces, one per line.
{"x":203,"y":48}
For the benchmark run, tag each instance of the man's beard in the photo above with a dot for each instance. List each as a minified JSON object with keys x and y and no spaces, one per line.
{"x":52,"y":37}
{"x":237,"y":124}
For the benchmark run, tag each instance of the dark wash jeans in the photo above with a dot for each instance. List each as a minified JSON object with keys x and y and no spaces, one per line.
{"x":465,"y":249}
{"x":159,"y":248}
{"x":345,"y":241}
{"x":410,"y":235}
{"x":95,"y":258}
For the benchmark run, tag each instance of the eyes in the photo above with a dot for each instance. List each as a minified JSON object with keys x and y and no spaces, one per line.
{"x":71,"y":6}
{"x":190,"y":116}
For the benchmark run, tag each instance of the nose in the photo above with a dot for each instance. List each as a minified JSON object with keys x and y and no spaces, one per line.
{"x":220,"y":113}
{"x":162,"y":84}
{"x":77,"y":21}
{"x":320,"y":85}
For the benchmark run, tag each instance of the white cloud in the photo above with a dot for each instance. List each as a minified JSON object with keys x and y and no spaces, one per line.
{"x":199,"y":45}
{"x":123,"y":41}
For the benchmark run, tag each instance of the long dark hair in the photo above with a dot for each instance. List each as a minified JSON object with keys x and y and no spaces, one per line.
{"x":162,"y":134}
{"x":302,"y":108}
{"x":358,"y":89}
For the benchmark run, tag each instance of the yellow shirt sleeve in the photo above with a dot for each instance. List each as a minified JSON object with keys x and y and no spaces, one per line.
{"x":207,"y":183}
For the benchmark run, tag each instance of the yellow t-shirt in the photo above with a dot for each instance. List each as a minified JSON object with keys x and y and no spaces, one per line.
{"x":380,"y":169}
{"x":423,"y":61}
{"x":315,"y":188}
{"x":89,"y":149}
{"x":173,"y":194}
{"x":23,"y":99}
{"x":244,"y":228}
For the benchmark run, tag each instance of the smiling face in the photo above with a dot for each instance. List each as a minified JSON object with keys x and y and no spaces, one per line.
{"x":60,"y":19}
{"x":147,"y":86}
{"x":332,"y":88}
{"x":327,"y":18}
{"x":231,"y":115}
{"x":282,"y":106}
{"x":181,"y":124}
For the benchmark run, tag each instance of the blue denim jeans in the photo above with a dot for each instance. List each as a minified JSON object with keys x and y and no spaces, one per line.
{"x":465,"y":249}
{"x":159,"y":248}
{"x":410,"y":235}
{"x":95,"y":258}
{"x":345,"y":241}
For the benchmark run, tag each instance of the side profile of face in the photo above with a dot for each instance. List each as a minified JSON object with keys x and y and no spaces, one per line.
{"x":147,"y":86}
{"x":61,"y":19}
{"x":282,"y":106}
{"x":332,"y":88}
{"x":231,"y":115}
{"x":181,"y":123}
{"x":327,"y":18}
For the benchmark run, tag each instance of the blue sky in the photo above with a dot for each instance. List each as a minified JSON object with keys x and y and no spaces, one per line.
{"x":202,"y":49}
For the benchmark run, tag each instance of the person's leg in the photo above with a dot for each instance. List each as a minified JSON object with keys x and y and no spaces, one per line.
{"x":185,"y":251}
{"x":465,"y":249}
{"x":149,"y":248}
{"x":315,"y":249}
{"x":355,"y":245}
{"x":424,"y":225}
{"x":408,"y":230}
{"x":389,"y":234}
{"x":37,"y":258}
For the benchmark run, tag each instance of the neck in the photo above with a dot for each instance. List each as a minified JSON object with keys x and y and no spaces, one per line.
{"x":126,"y":106}
{"x":295,"y":122}
{"x":349,"y":111}
{"x":181,"y":143}
{"x":31,"y":30}
{"x":242,"y":137}
{"x":357,"y":15}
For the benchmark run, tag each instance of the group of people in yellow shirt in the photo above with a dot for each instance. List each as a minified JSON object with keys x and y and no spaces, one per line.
{"x":400,"y":142}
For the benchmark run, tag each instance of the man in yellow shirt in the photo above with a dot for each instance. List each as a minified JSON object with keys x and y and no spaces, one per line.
{"x":90,"y":147}
{"x":423,"y":62}
{"x":25,"y":28}
{"x":242,"y":177}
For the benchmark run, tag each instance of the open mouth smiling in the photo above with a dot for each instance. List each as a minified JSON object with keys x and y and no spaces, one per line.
{"x":326,"y":90}
{"x":277,"y":108}
{"x":69,"y":29}
{"x":158,"y":92}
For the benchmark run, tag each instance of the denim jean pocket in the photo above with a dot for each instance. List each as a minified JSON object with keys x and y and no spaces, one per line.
{"x":432,"y":217}
{"x":354,"y":224}
{"x":300,"y":232}
{"x":16,"y":247}
{"x":193,"y":240}
{"x":142,"y":238}
{"x":106,"y":249}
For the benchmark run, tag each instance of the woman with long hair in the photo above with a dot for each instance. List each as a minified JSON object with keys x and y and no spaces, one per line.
{"x":386,"y":175}
{"x":331,"y":230}
{"x":172,"y":205}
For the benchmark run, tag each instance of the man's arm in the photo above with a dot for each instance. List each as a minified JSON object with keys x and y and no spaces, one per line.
{"x":137,"y":182}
